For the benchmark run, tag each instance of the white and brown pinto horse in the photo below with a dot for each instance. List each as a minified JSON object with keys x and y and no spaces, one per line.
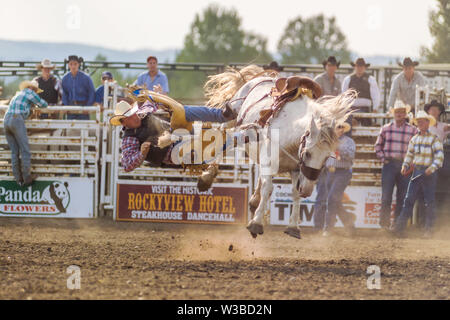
{"x":304,"y":128}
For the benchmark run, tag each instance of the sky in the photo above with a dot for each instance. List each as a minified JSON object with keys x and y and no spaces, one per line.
{"x":381,"y":27}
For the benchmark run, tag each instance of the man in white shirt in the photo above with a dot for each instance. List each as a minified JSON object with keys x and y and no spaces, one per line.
{"x":366,"y":85}
{"x":404,"y":84}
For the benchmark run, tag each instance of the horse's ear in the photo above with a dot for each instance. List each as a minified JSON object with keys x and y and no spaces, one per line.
{"x":313,"y":128}
{"x":333,"y":124}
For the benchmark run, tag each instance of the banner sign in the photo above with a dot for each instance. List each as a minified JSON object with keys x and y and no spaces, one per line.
{"x":181,"y":202}
{"x":362,"y":202}
{"x":60,"y":197}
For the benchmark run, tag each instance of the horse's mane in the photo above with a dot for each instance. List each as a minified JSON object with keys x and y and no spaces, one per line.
{"x":222,"y":87}
{"x":329,"y":110}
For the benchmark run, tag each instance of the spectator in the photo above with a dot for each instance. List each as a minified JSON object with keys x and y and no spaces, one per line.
{"x":331,"y":86}
{"x":154,"y":79}
{"x":16,"y":132}
{"x":390,"y":147}
{"x":273,"y":66}
{"x":332,"y":183}
{"x":48,"y":83}
{"x":100,"y":91}
{"x":404,"y":84}
{"x":435,"y":109}
{"x":425,"y":155}
{"x":78,"y":88}
{"x":366,"y":85}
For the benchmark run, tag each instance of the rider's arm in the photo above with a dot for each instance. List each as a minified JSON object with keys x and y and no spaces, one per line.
{"x":131,"y":154}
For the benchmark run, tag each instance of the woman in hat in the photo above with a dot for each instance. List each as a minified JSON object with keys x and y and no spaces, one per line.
{"x":16,"y":132}
{"x":441,"y":129}
{"x":332,"y":183}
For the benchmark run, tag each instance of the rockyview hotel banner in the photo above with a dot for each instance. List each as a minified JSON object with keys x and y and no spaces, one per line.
{"x":182,"y":202}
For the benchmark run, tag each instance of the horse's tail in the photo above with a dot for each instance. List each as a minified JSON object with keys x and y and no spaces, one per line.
{"x":222,"y":87}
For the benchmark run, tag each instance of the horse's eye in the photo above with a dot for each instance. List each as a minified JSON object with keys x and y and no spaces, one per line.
{"x":307,"y":155}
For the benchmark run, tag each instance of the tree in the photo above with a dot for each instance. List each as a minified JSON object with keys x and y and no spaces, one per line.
{"x":439,"y":24}
{"x":216,"y":36}
{"x":312,"y":40}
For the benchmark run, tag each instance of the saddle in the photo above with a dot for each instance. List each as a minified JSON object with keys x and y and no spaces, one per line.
{"x":289,"y":89}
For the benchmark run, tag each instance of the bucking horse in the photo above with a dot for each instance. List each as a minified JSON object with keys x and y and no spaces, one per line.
{"x":286,"y":120}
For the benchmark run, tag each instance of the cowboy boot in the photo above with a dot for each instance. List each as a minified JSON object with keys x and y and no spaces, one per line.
{"x":228,"y":112}
{"x":206,"y":179}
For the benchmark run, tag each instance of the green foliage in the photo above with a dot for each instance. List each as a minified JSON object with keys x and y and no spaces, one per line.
{"x":216,"y":36}
{"x":10,"y":89}
{"x":312,"y":40}
{"x":439,"y":24}
{"x":119,"y":77}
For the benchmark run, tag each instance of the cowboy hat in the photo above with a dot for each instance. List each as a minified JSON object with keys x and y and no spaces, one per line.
{"x":45,"y":63}
{"x":408,"y":62}
{"x":360,"y":62}
{"x":331,"y":60}
{"x":346,"y":126}
{"x":30,"y":84}
{"x":434,"y":103}
{"x":423,"y":115}
{"x":123,"y":110}
{"x":273,"y":66}
{"x":400,"y":105}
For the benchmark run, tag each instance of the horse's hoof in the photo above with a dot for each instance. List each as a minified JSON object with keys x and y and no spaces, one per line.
{"x":255,"y":229}
{"x":293,"y":232}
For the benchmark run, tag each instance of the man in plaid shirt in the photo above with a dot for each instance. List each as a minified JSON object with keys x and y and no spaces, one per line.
{"x":16,"y":132}
{"x":425,"y":155}
{"x":390,"y":147}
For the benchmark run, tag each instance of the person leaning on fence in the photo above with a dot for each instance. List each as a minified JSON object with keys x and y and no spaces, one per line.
{"x":404,"y":84}
{"x":16,"y":132}
{"x":391,"y":147}
{"x":333,"y":180}
{"x":366,"y":85}
{"x":424,"y":157}
{"x":331,"y":86}
{"x":154,"y":79}
{"x":134,"y":118}
{"x":78,"y":88}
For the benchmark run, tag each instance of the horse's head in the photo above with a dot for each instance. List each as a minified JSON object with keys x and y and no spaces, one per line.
{"x":316,"y":146}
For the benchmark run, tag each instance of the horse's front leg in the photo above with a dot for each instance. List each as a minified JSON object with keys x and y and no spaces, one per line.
{"x":255,"y":225}
{"x":255,"y":198}
{"x":293,"y":229}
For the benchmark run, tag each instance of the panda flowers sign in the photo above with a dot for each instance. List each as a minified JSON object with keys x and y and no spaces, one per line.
{"x":43,"y":197}
{"x":47,"y":198}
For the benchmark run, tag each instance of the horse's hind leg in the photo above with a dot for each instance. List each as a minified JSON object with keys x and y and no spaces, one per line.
{"x":255,"y":198}
{"x":255,"y":225}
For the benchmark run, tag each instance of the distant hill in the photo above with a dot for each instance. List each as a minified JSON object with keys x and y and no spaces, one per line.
{"x":33,"y":50}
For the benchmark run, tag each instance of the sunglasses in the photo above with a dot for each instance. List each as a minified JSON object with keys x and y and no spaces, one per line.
{"x":340,"y":127}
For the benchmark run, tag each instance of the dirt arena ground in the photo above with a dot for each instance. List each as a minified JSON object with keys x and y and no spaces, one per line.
{"x":179,"y":261}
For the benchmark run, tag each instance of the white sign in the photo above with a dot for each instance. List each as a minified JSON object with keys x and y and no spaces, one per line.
{"x":58,"y":197}
{"x":364,"y":202}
